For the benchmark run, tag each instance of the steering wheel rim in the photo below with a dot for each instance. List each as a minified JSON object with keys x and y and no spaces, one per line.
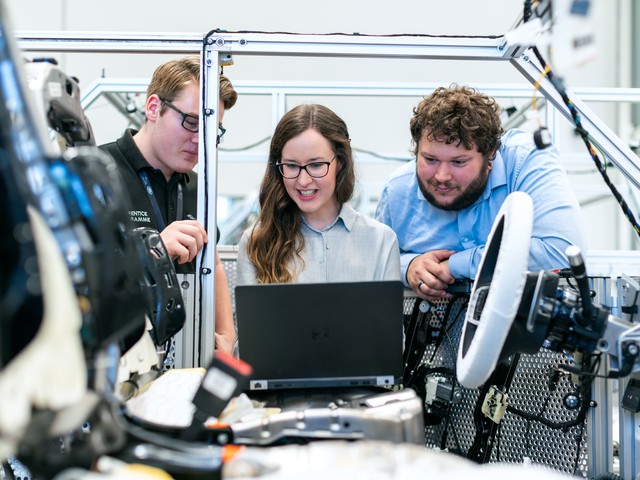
{"x":501,"y":276}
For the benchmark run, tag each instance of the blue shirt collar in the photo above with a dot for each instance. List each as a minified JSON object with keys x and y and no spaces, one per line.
{"x":497,"y":176}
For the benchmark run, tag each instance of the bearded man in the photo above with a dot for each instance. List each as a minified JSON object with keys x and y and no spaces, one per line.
{"x":443,"y":204}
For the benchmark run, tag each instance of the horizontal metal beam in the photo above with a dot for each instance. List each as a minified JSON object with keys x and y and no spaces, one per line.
{"x":103,"y":86}
{"x":109,"y":42}
{"x":358,"y":89}
{"x":360,"y":46}
{"x":328,"y":45}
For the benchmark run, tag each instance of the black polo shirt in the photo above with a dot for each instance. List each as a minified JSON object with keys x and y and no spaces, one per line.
{"x":141,"y":211}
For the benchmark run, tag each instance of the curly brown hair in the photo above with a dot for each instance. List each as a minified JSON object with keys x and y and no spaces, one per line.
{"x":276,"y":240}
{"x":458,"y":115}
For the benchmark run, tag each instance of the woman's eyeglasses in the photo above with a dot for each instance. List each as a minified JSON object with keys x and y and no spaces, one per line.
{"x":313,"y":169}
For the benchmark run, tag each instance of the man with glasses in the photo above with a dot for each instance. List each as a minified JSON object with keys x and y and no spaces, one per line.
{"x":156,"y":165}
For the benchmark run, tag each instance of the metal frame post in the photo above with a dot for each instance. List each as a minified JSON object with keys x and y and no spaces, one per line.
{"x":207,"y":206}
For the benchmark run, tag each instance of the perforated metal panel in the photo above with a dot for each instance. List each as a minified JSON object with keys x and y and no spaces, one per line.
{"x":228,"y":258}
{"x":535,"y":390}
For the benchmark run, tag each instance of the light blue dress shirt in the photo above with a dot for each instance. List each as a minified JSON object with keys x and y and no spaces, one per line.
{"x":354,"y":248}
{"x":518,"y":166}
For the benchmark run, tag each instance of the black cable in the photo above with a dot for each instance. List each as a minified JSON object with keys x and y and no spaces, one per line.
{"x":559,"y":86}
{"x":591,"y":374}
{"x":585,"y":389}
{"x":578,"y":446}
{"x":571,"y":285}
{"x":355,"y":34}
{"x":205,"y":159}
{"x":527,"y":10}
{"x":633,"y":307}
{"x":585,"y":384}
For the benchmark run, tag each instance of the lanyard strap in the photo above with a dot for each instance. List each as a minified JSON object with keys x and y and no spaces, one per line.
{"x":154,"y":201}
{"x":179,"y":203}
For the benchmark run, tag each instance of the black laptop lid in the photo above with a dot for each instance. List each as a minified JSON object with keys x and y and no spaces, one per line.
{"x":329,"y":334}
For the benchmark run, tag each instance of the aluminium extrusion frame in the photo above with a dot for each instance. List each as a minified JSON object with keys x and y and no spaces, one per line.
{"x":108,"y":42}
{"x":225,"y":44}
{"x":220,"y":45}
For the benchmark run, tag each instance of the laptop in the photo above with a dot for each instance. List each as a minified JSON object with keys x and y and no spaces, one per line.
{"x":321,"y":335}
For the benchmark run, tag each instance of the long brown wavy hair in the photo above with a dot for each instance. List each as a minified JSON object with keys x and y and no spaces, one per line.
{"x":276,"y":240}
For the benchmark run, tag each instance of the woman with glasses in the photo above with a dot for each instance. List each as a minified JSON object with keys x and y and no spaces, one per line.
{"x":306,"y":232}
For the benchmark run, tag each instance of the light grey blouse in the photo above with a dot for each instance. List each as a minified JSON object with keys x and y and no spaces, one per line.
{"x":354,"y":248}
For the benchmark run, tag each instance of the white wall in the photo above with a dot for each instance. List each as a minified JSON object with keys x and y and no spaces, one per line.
{"x":376,"y":124}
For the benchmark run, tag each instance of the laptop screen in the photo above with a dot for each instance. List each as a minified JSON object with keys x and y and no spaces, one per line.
{"x":329,"y":334}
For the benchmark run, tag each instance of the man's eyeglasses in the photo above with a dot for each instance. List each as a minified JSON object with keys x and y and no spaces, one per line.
{"x":189,"y":122}
{"x":313,"y":169}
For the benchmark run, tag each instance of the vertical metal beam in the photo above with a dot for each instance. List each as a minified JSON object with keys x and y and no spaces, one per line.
{"x":207,"y":206}
{"x":635,"y":60}
{"x":629,"y":438}
{"x":599,"y":426}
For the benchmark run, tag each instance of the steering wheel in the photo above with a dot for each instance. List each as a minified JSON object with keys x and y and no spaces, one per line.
{"x":496,"y":292}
